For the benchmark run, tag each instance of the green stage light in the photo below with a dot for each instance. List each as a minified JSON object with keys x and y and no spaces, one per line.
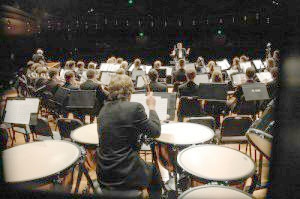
{"x":130,"y":2}
{"x":219,"y":32}
{"x":141,"y":34}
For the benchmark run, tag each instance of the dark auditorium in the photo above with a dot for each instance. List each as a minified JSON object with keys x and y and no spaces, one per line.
{"x":138,"y":99}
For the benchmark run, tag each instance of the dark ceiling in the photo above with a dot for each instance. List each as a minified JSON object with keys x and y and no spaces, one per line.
{"x":164,"y":8}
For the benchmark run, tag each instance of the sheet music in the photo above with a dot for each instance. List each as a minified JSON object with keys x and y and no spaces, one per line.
{"x":258,"y":64}
{"x":189,"y":65}
{"x":104,"y":67}
{"x":245,"y":65}
{"x":203,"y":78}
{"x":168,"y":70}
{"x":115,"y":67}
{"x":105,"y":78}
{"x":136,"y":73}
{"x":265,"y":64}
{"x":18,"y":111}
{"x":238,"y":79}
{"x":140,"y":82}
{"x":231,"y":71}
{"x":264,"y":77}
{"x":83,"y":77}
{"x":131,"y":68}
{"x":224,"y":64}
{"x":161,"y":104}
{"x":217,"y":68}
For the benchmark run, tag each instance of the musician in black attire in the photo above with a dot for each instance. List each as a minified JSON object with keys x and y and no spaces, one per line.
{"x":70,"y":81}
{"x":273,"y":85}
{"x":92,"y":84}
{"x":154,"y":85}
{"x":120,"y":124}
{"x":189,"y":88}
{"x":53,"y":83}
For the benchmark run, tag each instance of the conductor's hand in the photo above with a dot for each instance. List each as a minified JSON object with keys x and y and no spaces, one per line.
{"x":150,"y":101}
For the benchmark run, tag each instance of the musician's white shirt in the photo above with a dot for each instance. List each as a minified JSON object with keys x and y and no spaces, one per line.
{"x":180,"y":54}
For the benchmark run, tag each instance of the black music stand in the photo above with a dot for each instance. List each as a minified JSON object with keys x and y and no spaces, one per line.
{"x":255,"y":92}
{"x":213,"y":92}
{"x":81,"y":99}
{"x":162,"y":73}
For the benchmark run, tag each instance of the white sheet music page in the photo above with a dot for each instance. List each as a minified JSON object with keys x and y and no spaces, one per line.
{"x":140,"y":82}
{"x":103,"y":67}
{"x":264,"y":77}
{"x":245,"y":65}
{"x":223,"y":64}
{"x":258,"y":64}
{"x":18,"y":111}
{"x":131,"y":67}
{"x":168,"y":70}
{"x":105,"y":78}
{"x":238,"y":79}
{"x":161,"y":107}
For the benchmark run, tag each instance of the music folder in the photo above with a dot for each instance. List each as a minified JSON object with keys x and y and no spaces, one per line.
{"x":264,"y":77}
{"x":255,"y":91}
{"x":21,"y":111}
{"x":224,"y":64}
{"x":258,"y":64}
{"x":238,"y":79}
{"x":81,"y":99}
{"x":213,"y":91}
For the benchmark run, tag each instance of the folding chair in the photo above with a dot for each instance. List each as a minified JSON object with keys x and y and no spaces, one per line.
{"x":233,"y":129}
{"x":42,"y":130}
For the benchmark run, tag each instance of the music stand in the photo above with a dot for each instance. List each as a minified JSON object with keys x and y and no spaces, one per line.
{"x":162,"y":73}
{"x":213,"y":92}
{"x":21,"y":110}
{"x":81,"y":99}
{"x":224,"y":64}
{"x":169,"y":70}
{"x":255,"y":92}
{"x":61,"y":95}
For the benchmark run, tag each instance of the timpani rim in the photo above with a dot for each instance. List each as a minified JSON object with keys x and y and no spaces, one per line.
{"x":49,"y":177}
{"x":185,"y":144}
{"x":82,"y":142}
{"x":213,"y":186}
{"x":236,"y":179}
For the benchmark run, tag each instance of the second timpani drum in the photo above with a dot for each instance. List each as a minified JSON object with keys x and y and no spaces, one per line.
{"x":179,"y":135}
{"x":212,"y":163}
{"x":35,"y":165}
{"x":88,"y":137}
{"x":214,"y":192}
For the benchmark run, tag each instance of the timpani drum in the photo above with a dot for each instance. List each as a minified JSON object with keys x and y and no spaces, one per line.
{"x":177,"y":136}
{"x":41,"y":165}
{"x":213,"y":192}
{"x":212,"y":163}
{"x":88,"y":137}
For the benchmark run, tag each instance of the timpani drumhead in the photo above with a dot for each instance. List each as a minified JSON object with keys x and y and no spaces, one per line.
{"x":183,"y":133}
{"x":87,"y":134}
{"x":214,"y":192}
{"x":216,"y":163}
{"x":38,"y":160}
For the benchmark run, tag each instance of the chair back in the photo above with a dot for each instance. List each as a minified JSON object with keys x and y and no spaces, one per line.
{"x":190,"y":107}
{"x":208,"y":121}
{"x":176,"y":85}
{"x":66,"y":126}
{"x":42,"y":128}
{"x":235,"y":125}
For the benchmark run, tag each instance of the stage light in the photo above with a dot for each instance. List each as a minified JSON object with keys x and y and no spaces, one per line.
{"x":130,"y":2}
{"x":219,"y":32}
{"x":141,"y":34}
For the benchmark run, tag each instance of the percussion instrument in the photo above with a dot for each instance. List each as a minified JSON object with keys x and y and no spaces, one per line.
{"x":179,"y":135}
{"x":213,"y":163}
{"x":213,"y":192}
{"x":41,"y":165}
{"x":88,"y":137}
{"x":176,"y":136}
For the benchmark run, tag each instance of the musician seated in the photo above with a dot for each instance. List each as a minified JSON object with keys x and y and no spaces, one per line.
{"x":120,"y":124}
{"x":236,"y":64}
{"x":38,"y":56}
{"x":120,"y":71}
{"x":65,"y":69}
{"x":113,"y":60}
{"x":137,"y":64}
{"x":211,"y":68}
{"x":92,"y":84}
{"x":53,"y":83}
{"x":200,"y":65}
{"x":80,"y":68}
{"x":154,"y":85}
{"x":157,"y":65}
{"x":179,"y":75}
{"x":270,"y":64}
{"x":244,"y":59}
{"x":119,"y":60}
{"x":189,"y":88}
{"x":42,"y":77}
{"x":239,"y":95}
{"x":30,"y":69}
{"x":276,"y":57}
{"x":124,"y":65}
{"x":70,"y":81}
